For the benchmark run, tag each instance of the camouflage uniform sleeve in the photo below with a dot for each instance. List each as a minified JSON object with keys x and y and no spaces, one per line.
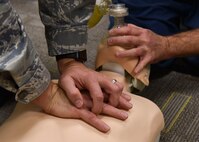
{"x":21,"y":70}
{"x":65,"y":24}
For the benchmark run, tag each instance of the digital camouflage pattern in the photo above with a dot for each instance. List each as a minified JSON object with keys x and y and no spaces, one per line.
{"x":21,"y":70}
{"x":65,"y":24}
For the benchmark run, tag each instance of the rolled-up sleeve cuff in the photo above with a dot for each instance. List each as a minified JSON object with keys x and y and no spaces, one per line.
{"x":66,"y":40}
{"x":37,"y":84}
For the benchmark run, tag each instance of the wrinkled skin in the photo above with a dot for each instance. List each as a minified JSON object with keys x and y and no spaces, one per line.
{"x":139,"y":42}
{"x":83,"y":78}
{"x":55,"y":102}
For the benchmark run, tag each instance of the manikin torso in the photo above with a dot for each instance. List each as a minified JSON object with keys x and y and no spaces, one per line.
{"x":30,"y":124}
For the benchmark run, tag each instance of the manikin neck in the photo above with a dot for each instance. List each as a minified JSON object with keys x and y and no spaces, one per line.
{"x":113,"y":67}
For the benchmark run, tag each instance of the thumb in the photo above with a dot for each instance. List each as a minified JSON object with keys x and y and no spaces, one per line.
{"x":141,"y":64}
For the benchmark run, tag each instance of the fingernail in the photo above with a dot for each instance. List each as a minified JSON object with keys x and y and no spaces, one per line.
{"x":130,"y":105}
{"x":78,"y":103}
{"x":106,"y":128}
{"x":124,"y":115}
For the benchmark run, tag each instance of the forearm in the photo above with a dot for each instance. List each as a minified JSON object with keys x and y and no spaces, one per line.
{"x":183,"y":44}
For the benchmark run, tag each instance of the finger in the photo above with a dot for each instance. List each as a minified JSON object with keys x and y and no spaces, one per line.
{"x":130,"y":29}
{"x":92,"y":119}
{"x":140,"y":29}
{"x":61,"y":107}
{"x":64,"y":112}
{"x":113,"y":89}
{"x":114,"y":112}
{"x":124,"y":104}
{"x":72,"y":92}
{"x":96,"y":95}
{"x":127,"y":93}
{"x":141,"y":64}
{"x":88,"y":104}
{"x":131,"y":53}
{"x":126,"y":41}
{"x":126,"y":96}
{"x":115,"y":95}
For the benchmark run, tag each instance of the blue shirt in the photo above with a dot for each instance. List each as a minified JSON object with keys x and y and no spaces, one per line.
{"x":164,"y":17}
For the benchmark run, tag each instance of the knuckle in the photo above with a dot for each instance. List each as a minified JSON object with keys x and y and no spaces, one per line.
{"x":128,"y":31}
{"x":90,"y":79}
{"x":120,"y":87}
{"x":74,"y":93}
{"x":145,"y":31}
{"x":91,"y":117}
{"x":129,"y":40}
{"x":136,"y":52}
{"x":93,"y":75}
{"x":140,"y":51}
{"x":99,"y":98}
{"x":146,"y":39}
{"x":105,"y":107}
{"x":146,"y":36}
{"x":145,"y":48}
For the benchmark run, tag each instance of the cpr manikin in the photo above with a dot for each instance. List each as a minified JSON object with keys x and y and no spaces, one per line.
{"x":144,"y":124}
{"x":29,"y":124}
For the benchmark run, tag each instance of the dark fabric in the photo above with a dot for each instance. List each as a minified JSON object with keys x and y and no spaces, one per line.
{"x":180,"y":65}
{"x":5,"y":96}
{"x":79,"y":56}
{"x":7,"y":104}
{"x":164,"y":17}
